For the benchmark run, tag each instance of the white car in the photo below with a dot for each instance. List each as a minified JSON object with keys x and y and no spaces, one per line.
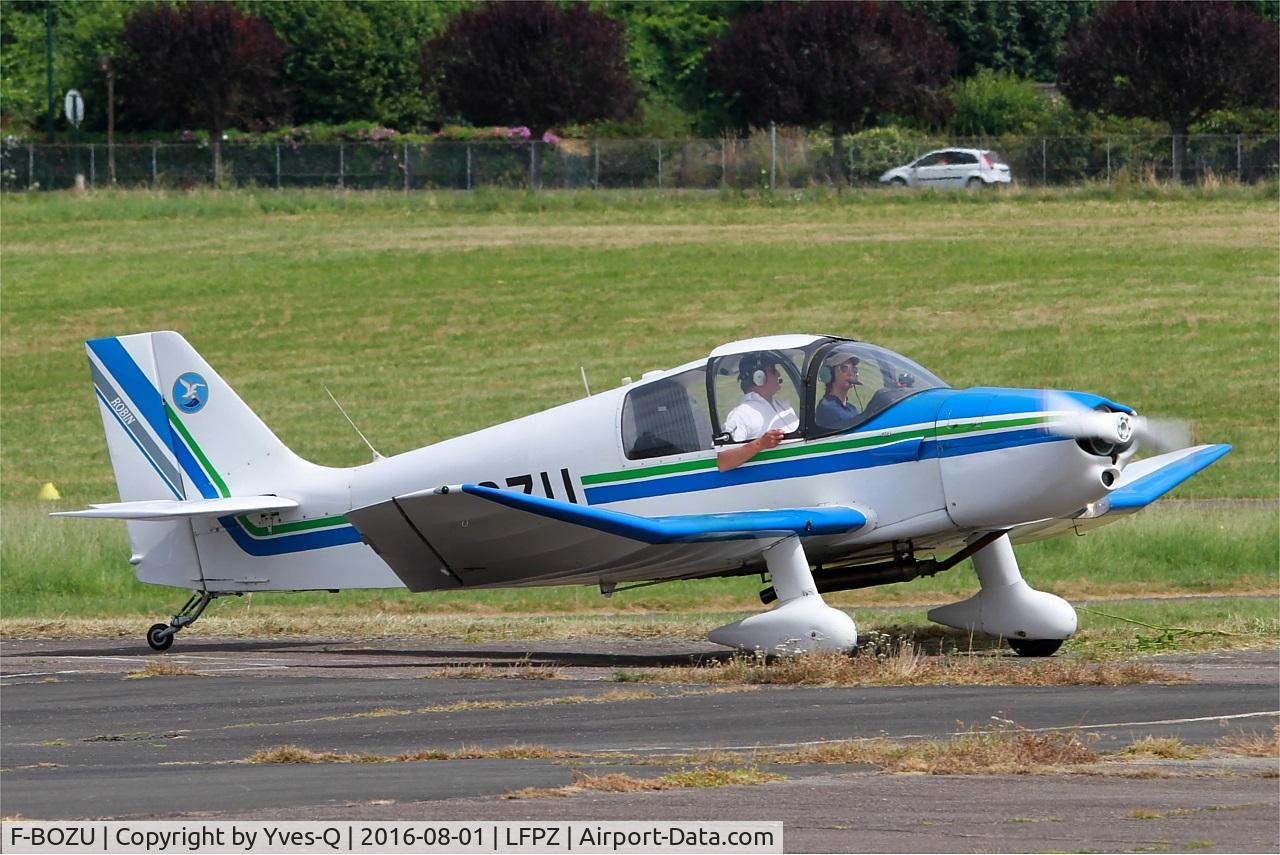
{"x":971,"y":168}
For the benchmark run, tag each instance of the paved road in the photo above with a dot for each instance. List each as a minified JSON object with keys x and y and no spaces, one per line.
{"x":79,"y":740}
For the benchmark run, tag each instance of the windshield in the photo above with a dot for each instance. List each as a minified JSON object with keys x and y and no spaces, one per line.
{"x":853,"y":381}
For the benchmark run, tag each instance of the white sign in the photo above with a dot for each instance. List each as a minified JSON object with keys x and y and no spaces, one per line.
{"x":75,"y":107}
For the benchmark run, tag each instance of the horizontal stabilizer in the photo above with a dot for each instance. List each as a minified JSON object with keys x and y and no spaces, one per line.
{"x":686,"y":528}
{"x":169,"y":509}
{"x":1144,"y":481}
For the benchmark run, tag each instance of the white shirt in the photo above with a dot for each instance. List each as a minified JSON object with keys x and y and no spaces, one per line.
{"x":754,"y":415}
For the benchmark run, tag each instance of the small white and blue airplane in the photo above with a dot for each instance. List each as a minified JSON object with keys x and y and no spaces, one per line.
{"x":623,"y":488}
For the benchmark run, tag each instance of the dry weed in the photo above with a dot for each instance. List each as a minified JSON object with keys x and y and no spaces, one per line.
{"x":1161,"y":748}
{"x":617,"y":782}
{"x":1003,"y":749}
{"x":905,"y":665}
{"x":1251,"y":744}
{"x":523,"y":670}
{"x":162,"y":668}
{"x":297,"y":754}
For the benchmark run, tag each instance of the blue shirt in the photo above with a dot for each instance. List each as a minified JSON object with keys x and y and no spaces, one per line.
{"x":834,"y":414}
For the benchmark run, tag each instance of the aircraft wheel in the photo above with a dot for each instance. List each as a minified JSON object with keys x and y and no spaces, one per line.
{"x":1035,"y":646}
{"x":159,"y":637}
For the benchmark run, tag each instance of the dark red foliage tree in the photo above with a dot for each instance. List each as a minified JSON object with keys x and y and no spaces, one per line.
{"x":534,"y":64}
{"x":833,"y":63}
{"x":1173,"y":61}
{"x":205,"y":65}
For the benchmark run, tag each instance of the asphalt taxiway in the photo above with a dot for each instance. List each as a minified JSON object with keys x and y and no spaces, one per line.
{"x":80,"y":740}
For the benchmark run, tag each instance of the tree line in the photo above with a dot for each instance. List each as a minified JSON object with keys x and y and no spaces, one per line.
{"x":643,"y":68}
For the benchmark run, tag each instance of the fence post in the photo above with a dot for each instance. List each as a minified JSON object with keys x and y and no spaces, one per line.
{"x":724,"y":173}
{"x":342,"y":164}
{"x":1044,"y":161}
{"x":595,"y":180}
{"x":659,"y":165}
{"x":468,"y":166}
{"x":155,"y":173}
{"x":1108,"y":160}
{"x":406,"y":167}
{"x":773,"y":154}
{"x":277,"y":166}
{"x":31,"y":165}
{"x":1239,"y":162}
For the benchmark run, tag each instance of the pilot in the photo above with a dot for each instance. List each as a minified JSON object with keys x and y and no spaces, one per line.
{"x":758,"y":422}
{"x":840,"y":374}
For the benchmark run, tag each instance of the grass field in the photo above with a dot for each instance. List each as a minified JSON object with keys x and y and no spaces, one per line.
{"x":435,"y":314}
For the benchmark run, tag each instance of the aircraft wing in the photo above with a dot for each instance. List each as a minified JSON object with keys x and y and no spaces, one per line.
{"x":1144,"y":481}
{"x":1141,"y":483}
{"x":472,"y":535}
{"x":170,"y":509}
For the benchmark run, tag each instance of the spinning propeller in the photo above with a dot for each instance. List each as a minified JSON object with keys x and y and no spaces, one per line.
{"x":1105,"y":431}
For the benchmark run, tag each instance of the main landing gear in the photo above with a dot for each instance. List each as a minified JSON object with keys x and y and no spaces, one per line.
{"x":801,"y":622}
{"x":1035,"y":623}
{"x":160,"y":636}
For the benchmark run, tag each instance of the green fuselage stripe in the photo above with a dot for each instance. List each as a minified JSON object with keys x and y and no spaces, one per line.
{"x":805,"y":450}
{"x":255,"y":530}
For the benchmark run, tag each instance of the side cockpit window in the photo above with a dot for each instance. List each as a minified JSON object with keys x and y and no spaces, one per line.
{"x":667,"y":417}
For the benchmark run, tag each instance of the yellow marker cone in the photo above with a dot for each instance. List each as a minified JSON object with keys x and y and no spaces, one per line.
{"x":49,"y":493}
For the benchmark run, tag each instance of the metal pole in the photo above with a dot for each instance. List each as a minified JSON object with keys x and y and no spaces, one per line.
{"x":277,"y":166}
{"x":724,"y":174}
{"x":1044,"y":161}
{"x":468,"y":167}
{"x":342,"y":164}
{"x":48,"y":62}
{"x":406,"y":167}
{"x":31,"y":165}
{"x":155,"y":175}
{"x":93,"y":166}
{"x":659,"y":165}
{"x":1239,"y":162}
{"x":773,"y":154}
{"x":595,"y":181}
{"x":1108,"y":160}
{"x":531,"y":157}
{"x":111,"y":123}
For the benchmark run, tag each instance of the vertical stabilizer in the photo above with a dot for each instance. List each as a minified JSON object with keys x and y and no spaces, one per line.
{"x":177,"y":431}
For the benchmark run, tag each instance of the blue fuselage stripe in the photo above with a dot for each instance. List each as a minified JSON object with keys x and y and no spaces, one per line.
{"x":886,"y":455}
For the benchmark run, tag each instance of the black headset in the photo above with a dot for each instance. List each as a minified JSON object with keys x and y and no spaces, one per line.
{"x":751,"y":370}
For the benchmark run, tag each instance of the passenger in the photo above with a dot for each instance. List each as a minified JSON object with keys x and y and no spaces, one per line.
{"x":759,"y":422}
{"x":840,"y":374}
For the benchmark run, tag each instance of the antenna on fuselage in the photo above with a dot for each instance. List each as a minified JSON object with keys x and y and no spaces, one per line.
{"x":585,"y":384}
{"x":376,"y":455}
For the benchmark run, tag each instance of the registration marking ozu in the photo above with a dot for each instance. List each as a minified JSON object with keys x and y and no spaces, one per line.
{"x":526,"y":483}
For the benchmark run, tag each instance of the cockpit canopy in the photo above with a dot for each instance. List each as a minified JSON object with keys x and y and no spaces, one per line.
{"x":827,"y":386}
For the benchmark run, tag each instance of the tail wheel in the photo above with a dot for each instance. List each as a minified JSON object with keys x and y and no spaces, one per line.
{"x":1035,"y":647}
{"x":160,"y":637}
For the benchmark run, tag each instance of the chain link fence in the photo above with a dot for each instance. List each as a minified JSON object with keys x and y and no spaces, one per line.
{"x":759,"y":162}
